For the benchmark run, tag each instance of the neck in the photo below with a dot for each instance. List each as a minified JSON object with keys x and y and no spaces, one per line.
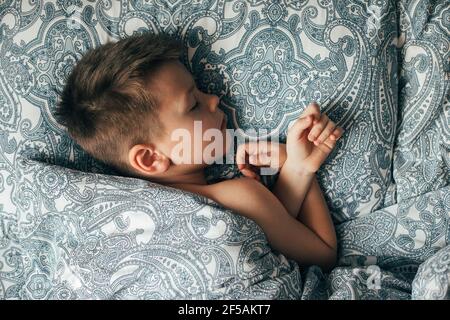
{"x":195,"y":177}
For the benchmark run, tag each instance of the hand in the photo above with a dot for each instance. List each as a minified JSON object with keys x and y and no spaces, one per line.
{"x":310,"y":140}
{"x":251,"y":156}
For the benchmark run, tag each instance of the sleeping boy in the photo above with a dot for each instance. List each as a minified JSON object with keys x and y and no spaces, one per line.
{"x":123,"y":101}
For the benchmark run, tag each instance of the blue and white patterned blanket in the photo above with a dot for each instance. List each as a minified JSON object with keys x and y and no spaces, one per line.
{"x":70,"y":228}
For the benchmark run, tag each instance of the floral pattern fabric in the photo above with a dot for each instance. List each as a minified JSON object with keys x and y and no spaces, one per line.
{"x":71,"y":228}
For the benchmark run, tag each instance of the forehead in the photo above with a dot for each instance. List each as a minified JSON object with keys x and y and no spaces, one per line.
{"x":169,"y":84}
{"x":171,"y":77}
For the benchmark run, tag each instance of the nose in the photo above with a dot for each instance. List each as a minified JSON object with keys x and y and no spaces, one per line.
{"x":213,"y":102}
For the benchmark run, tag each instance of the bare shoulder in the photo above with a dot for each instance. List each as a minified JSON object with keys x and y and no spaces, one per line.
{"x":243,"y":186}
{"x":244,"y":195}
{"x":227,"y":190}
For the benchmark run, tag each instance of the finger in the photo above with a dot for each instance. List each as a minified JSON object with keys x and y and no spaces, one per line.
{"x":326,"y":132}
{"x":312,"y":109}
{"x":318,"y":128}
{"x":247,"y":172}
{"x":246,"y":167}
{"x":261,"y":159}
{"x":328,"y":144}
{"x":246,"y":149}
{"x":321,"y":152}
{"x":241,"y":155}
{"x":299,"y":126}
{"x":257,"y":147}
{"x":337,"y":133}
{"x":331,"y":141}
{"x":255,"y":153}
{"x":250,"y":174}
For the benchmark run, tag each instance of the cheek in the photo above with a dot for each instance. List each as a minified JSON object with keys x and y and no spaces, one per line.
{"x":194,"y":146}
{"x":201,"y":124}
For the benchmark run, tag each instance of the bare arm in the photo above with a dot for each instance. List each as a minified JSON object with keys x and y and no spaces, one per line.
{"x":308,"y":144}
{"x":284,"y":232}
{"x":291,"y":188}
{"x":301,"y":190}
{"x":297,"y":190}
{"x":315,"y":215}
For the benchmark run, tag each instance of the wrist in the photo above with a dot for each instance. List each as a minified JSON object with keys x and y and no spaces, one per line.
{"x":295,"y":167}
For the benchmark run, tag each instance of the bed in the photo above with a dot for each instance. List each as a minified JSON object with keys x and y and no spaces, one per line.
{"x":72,"y":228}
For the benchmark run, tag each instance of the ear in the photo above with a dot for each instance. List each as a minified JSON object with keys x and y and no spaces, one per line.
{"x":148,"y":160}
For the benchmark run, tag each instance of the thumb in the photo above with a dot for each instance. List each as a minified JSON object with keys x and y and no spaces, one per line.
{"x":260,"y":159}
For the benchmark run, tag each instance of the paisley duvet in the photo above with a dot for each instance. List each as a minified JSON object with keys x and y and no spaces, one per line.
{"x":71,"y":228}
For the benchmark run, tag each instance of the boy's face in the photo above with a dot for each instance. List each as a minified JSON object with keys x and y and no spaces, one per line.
{"x":186,"y":111}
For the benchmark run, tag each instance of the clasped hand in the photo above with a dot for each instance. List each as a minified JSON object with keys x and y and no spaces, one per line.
{"x":309,"y":141}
